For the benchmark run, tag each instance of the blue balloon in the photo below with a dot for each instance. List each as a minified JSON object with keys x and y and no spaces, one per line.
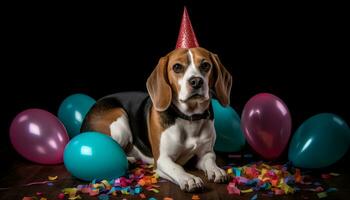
{"x":320,"y":141}
{"x":73,"y":110}
{"x":229,"y":135}
{"x":93,"y":155}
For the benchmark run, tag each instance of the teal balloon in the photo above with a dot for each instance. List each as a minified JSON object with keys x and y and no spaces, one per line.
{"x":73,"y":110}
{"x":93,"y":155}
{"x":229,"y":135}
{"x":320,"y":141}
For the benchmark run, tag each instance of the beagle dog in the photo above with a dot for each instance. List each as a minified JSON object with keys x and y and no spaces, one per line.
{"x":174,"y":121}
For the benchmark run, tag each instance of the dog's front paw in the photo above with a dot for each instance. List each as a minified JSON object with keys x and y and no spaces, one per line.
{"x":217,"y":175}
{"x":190,"y":183}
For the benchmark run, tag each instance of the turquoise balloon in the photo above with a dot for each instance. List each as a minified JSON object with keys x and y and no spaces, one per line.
{"x":229,"y":135}
{"x":93,"y":155}
{"x":73,"y":110}
{"x":320,"y":141}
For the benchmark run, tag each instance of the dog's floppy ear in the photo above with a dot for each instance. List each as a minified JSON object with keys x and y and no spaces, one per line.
{"x":158,"y":86}
{"x":222,"y":81}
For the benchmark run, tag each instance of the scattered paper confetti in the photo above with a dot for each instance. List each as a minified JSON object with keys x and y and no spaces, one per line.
{"x":195,"y":197}
{"x":142,"y":196}
{"x":152,"y":198}
{"x":138,"y":179}
{"x":321,"y":195}
{"x":255,"y":197}
{"x":247,"y":191}
{"x":37,"y":183}
{"x":326,"y":176}
{"x":60,"y":196}
{"x":103,"y":197}
{"x":167,"y":198}
{"x":274,"y":180}
{"x":331,"y":190}
{"x":52,"y":178}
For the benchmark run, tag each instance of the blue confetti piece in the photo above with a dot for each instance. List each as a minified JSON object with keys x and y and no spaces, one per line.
{"x":103,"y":197}
{"x":289,"y":180}
{"x":50,"y":184}
{"x":257,"y":188}
{"x":152,"y":198}
{"x":111,"y":190}
{"x":332,"y":190}
{"x":252,"y":182}
{"x":317,"y":184}
{"x":138,"y":190}
{"x":118,"y":188}
{"x":264,"y":186}
{"x":237,"y":171}
{"x":255,"y":197}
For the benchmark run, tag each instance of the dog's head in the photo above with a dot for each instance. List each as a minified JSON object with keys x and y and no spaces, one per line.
{"x":185,"y":77}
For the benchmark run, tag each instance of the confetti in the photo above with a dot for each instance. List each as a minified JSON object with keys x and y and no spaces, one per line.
{"x":195,"y":197}
{"x":326,"y":176}
{"x":37,"y":183}
{"x":60,"y":196}
{"x":138,"y":179}
{"x":52,"y":178}
{"x":331,"y":190}
{"x":154,"y":190}
{"x":168,"y":198}
{"x":255,"y":197}
{"x":103,"y":197}
{"x":321,"y":195}
{"x":247,"y":191}
{"x":334,"y":174}
{"x":152,"y":198}
{"x":274,"y":179}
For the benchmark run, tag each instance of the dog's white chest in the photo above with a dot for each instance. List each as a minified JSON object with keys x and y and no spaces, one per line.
{"x":185,"y":139}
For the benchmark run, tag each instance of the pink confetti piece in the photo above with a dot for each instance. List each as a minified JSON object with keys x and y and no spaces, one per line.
{"x":60,"y":196}
{"x":37,"y":183}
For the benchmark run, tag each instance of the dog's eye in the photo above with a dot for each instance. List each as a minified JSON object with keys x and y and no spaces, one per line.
{"x":177,"y":68}
{"x":205,"y":66}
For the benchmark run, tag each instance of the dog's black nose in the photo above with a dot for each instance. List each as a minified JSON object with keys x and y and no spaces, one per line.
{"x":196,"y":82}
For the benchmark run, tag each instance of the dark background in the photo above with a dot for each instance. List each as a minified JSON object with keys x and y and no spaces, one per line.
{"x":298,"y":52}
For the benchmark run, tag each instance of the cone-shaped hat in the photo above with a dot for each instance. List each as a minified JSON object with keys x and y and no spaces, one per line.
{"x":186,"y":38}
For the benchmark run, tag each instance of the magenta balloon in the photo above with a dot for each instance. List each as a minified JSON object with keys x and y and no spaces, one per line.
{"x":266,"y":124}
{"x":39,"y":136}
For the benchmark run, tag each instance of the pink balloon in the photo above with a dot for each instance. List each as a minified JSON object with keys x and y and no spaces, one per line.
{"x":39,"y":136}
{"x":266,"y":124}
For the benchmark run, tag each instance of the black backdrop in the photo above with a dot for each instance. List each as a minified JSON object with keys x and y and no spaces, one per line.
{"x":295,"y":51}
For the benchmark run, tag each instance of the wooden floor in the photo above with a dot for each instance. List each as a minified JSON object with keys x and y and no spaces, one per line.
{"x":23,"y":172}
